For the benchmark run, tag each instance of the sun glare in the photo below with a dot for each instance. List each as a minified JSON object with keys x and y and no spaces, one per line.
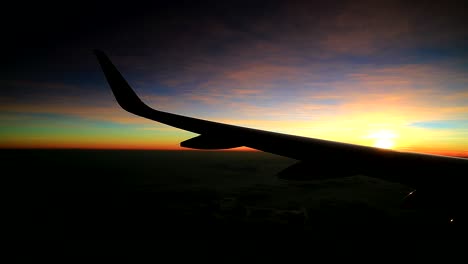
{"x":385,"y":143}
{"x":383,"y":139}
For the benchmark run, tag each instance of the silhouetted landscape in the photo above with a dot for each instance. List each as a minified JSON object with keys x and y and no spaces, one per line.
{"x":109,"y":194}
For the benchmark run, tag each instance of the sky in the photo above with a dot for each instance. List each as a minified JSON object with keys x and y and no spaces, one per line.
{"x":390,"y":74}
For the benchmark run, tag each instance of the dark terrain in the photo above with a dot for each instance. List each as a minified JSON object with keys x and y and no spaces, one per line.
{"x":103,"y":194}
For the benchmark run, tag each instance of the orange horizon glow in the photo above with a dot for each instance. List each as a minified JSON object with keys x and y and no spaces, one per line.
{"x":463,"y":154}
{"x":111,"y":147}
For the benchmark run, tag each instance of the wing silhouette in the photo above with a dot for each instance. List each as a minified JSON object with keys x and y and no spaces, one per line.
{"x":317,"y":158}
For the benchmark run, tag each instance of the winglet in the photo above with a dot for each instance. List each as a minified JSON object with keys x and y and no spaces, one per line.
{"x":123,"y":93}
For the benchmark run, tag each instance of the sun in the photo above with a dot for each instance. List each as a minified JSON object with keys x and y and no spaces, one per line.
{"x":383,"y":139}
{"x":385,"y":143}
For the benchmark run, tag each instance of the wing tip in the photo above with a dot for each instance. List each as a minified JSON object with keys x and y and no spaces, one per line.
{"x":99,"y":54}
{"x":123,"y":93}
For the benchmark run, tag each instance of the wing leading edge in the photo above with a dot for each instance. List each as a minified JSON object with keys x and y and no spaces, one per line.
{"x":286,"y":145}
{"x":315,"y":153}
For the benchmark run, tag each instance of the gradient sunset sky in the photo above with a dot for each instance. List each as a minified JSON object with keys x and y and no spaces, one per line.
{"x":352,"y":71}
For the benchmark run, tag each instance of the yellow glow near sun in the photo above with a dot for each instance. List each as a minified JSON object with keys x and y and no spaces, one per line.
{"x":385,"y":143}
{"x":383,"y":139}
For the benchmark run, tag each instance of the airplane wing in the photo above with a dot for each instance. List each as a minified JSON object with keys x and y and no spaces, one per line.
{"x":317,"y":158}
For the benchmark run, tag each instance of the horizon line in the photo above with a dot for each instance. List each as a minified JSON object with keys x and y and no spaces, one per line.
{"x":239,"y":149}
